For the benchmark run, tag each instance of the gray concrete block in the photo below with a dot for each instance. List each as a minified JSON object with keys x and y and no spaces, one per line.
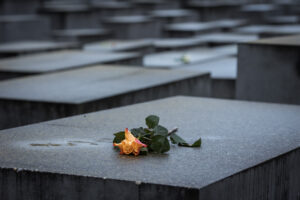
{"x":244,"y":154}
{"x":112,"y":8}
{"x":56,"y":95}
{"x":23,"y":27}
{"x":226,"y":38}
{"x":82,"y":35}
{"x":12,"y":7}
{"x":28,"y":47}
{"x":257,"y":12}
{"x":268,"y":70}
{"x":223,"y":72}
{"x":132,"y":27}
{"x":176,"y":59}
{"x":145,"y":6}
{"x":62,"y":60}
{"x":168,"y":44}
{"x":143,"y":46}
{"x":70,"y":16}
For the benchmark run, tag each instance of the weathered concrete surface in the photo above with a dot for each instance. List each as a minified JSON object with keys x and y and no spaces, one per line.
{"x":269,"y":70}
{"x":132,"y":27}
{"x":223,"y":73}
{"x":270,"y":30}
{"x":61,"y":60}
{"x":44,"y":97}
{"x":178,"y":43}
{"x":70,"y":15}
{"x":214,"y":10}
{"x":175,"y":59}
{"x":227,"y":38}
{"x":188,"y":29}
{"x":249,"y":151}
{"x":143,"y":46}
{"x":23,"y":27}
{"x":27,"y":47}
{"x":82,"y":35}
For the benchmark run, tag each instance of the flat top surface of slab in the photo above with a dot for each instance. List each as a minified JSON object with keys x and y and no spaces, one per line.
{"x":117,"y":45}
{"x":236,"y":135}
{"x":281,"y":41}
{"x":223,"y":68}
{"x":51,"y":7}
{"x":259,"y":7}
{"x":174,"y":59}
{"x":198,"y":26}
{"x":27,"y":46}
{"x":60,"y":60}
{"x":171,"y":13}
{"x":280,"y":29}
{"x":81,"y":32}
{"x":178,"y":42}
{"x":128,"y":19}
{"x":227,"y":37}
{"x":87,"y":84}
{"x":111,"y":5}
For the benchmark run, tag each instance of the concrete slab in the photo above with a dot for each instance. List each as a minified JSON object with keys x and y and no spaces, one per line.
{"x":178,"y":43}
{"x":196,"y":28}
{"x":226,"y":38}
{"x":143,"y":46}
{"x":70,"y":15}
{"x":270,"y":30}
{"x":175,"y":59}
{"x":213,"y":10}
{"x":249,"y":150}
{"x":174,"y":16}
{"x":223,"y":72}
{"x":82,"y":35}
{"x":28,"y":47}
{"x":61,"y":60}
{"x":112,"y":8}
{"x":132,"y":27}
{"x":282,"y":20}
{"x":145,"y":6}
{"x":268,"y":70}
{"x":23,"y":27}
{"x":56,"y":95}
{"x":13,"y":7}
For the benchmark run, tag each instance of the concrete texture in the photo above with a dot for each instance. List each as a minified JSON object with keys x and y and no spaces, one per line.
{"x":196,"y":28}
{"x":61,"y":60}
{"x":223,"y":72}
{"x":178,"y":43}
{"x":249,"y":151}
{"x":23,"y":27}
{"x":27,"y":47}
{"x":270,"y":30}
{"x":175,"y":59}
{"x":18,"y":7}
{"x":227,"y":38}
{"x":132,"y":27}
{"x":214,"y":10}
{"x":44,"y":97}
{"x":112,"y":8}
{"x":82,"y":35}
{"x":70,"y":16}
{"x":268,"y":70}
{"x":143,"y":46}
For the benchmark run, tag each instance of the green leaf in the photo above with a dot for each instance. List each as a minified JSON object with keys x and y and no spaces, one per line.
{"x":144,"y":151}
{"x":160,"y":144}
{"x":175,"y":139}
{"x":119,"y":136}
{"x":152,"y":121}
{"x":195,"y":144}
{"x":138,"y":132}
{"x":160,"y":130}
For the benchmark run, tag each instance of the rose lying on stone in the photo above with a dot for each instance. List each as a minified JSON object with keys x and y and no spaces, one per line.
{"x":155,"y":138}
{"x":130,"y":144}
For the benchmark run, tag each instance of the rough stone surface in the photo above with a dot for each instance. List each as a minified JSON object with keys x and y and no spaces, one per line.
{"x":256,"y":62}
{"x":175,"y":59}
{"x":248,"y":150}
{"x":62,"y":60}
{"x":44,"y":97}
{"x":142,"y":46}
{"x":27,"y":47}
